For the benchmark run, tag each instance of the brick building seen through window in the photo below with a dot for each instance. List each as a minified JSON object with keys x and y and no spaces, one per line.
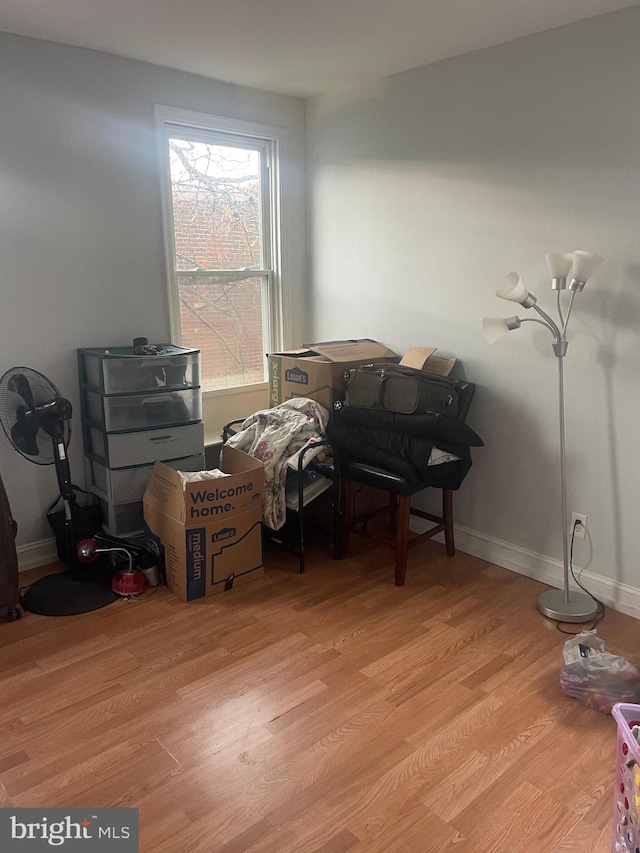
{"x":217,"y":223}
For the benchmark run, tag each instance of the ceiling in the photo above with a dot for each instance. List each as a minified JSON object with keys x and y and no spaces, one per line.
{"x":296,"y":47}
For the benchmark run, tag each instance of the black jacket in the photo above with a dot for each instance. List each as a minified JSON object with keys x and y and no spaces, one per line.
{"x":402,"y":444}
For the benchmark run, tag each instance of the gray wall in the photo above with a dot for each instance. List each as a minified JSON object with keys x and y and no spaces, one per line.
{"x":427,"y":188}
{"x":81,"y":250}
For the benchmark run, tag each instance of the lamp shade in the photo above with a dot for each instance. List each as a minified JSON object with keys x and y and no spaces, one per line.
{"x":494,"y":328}
{"x":513,"y":289}
{"x":585,"y":264}
{"x":560,"y":263}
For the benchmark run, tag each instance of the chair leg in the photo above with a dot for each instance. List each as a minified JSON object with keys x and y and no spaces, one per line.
{"x":447,"y":514}
{"x":402,"y":538}
{"x":346,"y":501}
{"x":393,"y":511}
{"x":337,"y":514}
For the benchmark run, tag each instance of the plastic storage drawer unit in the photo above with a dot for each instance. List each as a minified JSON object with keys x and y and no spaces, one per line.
{"x":142,"y":411}
{"x":127,"y":449}
{"x":120,"y":370}
{"x":125,"y":519}
{"x":119,"y":485}
{"x":139,"y":404}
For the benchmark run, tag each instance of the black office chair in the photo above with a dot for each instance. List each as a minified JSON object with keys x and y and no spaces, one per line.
{"x":375,"y":449}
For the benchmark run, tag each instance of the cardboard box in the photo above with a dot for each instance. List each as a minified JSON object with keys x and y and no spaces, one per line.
{"x":210,"y":533}
{"x":316,"y":370}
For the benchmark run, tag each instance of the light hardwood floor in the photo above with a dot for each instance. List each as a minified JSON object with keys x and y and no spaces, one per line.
{"x":327,"y":712}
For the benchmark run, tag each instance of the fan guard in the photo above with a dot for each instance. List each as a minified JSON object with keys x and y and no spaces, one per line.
{"x":21,"y":389}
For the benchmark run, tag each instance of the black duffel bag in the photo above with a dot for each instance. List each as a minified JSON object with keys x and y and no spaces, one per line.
{"x":400,"y":389}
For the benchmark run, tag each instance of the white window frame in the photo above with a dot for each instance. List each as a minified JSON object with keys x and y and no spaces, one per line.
{"x":172,"y":121}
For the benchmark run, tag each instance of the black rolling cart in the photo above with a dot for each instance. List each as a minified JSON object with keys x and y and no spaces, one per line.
{"x":305,"y":490}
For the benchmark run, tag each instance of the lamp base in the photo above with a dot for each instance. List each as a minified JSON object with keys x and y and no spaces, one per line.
{"x":579,"y":608}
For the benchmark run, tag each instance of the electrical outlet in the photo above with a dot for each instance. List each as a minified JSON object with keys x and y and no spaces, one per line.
{"x":581,"y":529}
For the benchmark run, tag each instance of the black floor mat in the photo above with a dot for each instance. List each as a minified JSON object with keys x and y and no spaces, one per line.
{"x":59,"y":595}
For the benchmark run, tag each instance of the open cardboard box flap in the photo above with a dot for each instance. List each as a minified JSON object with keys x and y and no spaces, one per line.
{"x":164,"y":491}
{"x":351,"y":350}
{"x":422,"y":358}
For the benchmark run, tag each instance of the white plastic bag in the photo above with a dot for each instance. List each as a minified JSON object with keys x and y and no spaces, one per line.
{"x":595,"y":677}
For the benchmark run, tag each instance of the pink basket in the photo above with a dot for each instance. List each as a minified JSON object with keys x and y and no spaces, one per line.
{"x":626,"y":808}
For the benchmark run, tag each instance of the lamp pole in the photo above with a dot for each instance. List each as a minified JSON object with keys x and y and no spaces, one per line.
{"x":563,"y":605}
{"x":563,"y":479}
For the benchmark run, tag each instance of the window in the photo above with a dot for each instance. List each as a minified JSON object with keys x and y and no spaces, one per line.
{"x":223,"y":242}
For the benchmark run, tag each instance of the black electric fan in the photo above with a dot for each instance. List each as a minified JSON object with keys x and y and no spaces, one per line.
{"x":36,"y":420}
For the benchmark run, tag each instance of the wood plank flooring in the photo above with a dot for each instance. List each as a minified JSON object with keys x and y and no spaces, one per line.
{"x":327,"y":712}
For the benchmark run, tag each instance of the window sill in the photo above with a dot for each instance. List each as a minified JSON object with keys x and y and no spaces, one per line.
{"x":226,"y":404}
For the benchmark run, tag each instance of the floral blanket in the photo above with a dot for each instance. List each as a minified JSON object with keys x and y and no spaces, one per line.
{"x":275,"y":435}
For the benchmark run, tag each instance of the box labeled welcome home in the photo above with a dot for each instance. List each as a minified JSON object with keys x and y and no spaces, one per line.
{"x":209,"y":531}
{"x":317,"y":370}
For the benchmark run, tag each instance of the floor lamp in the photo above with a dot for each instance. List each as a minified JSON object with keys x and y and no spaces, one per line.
{"x":564,"y":605}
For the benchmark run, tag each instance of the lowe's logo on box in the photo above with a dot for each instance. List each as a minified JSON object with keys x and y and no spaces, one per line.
{"x":295,"y":374}
{"x":82,"y":830}
{"x":225,"y":533}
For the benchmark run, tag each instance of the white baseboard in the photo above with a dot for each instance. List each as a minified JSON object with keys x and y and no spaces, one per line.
{"x":618,"y":596}
{"x":36,"y":554}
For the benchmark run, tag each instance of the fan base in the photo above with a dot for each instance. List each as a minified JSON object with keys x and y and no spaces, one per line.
{"x":59,"y":595}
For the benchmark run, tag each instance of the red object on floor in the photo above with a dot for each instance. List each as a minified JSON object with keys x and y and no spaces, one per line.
{"x":128,"y":583}
{"x":87,"y":551}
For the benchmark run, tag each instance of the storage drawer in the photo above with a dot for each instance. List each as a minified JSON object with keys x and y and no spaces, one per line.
{"x":128,"y":449}
{"x":128,"y":484}
{"x":119,"y":370}
{"x":123,"y":519}
{"x":145,"y":411}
